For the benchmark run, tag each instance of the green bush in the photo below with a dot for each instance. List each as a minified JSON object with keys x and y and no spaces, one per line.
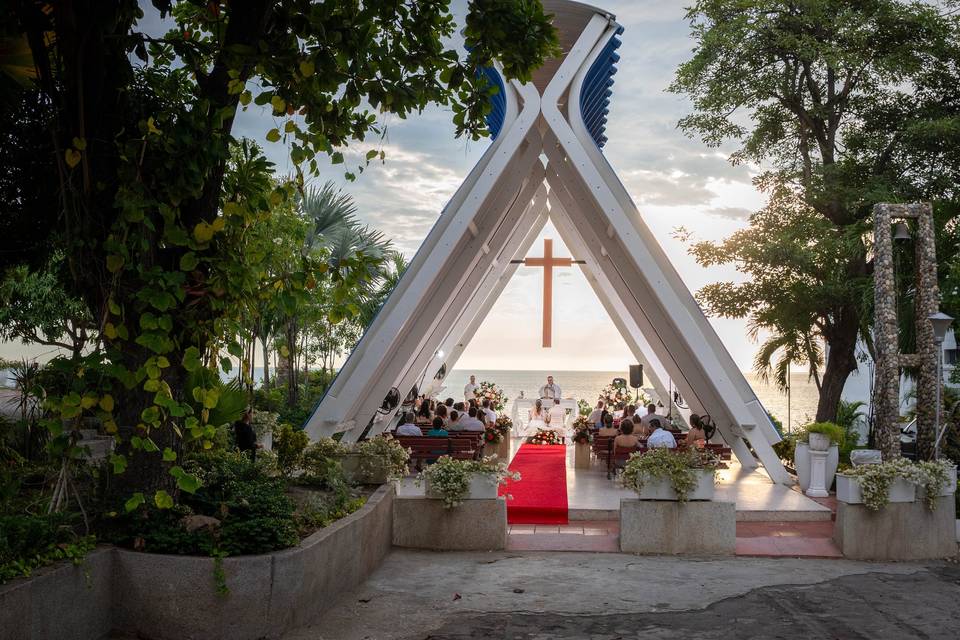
{"x":28,"y":542}
{"x":836,"y":433}
{"x":289,"y":445}
{"x":255,"y":514}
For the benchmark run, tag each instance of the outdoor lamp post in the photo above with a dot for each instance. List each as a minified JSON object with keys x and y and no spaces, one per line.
{"x":941,"y":323}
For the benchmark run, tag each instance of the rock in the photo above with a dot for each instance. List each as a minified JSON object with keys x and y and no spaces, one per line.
{"x":196,"y":522}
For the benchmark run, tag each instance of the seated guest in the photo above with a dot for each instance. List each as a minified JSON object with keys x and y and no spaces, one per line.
{"x":595,"y":416}
{"x":651,"y":415}
{"x":630,"y":411}
{"x":490,"y":416}
{"x":453,"y":424}
{"x":660,"y":438}
{"x":424,"y":415}
{"x":471,"y":422}
{"x":607,"y":429}
{"x":460,"y":407}
{"x":696,"y":437}
{"x":626,"y":439}
{"x":438,"y":431}
{"x":408,"y":427}
{"x":442,"y":413}
{"x":449,"y":403}
{"x":640,"y":429}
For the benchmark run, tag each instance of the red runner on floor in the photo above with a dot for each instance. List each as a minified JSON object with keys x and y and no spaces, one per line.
{"x":540,"y":496}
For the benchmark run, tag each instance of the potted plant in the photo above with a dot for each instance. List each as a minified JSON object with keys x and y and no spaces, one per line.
{"x":876,"y":485}
{"x":671,"y":474}
{"x":375,"y":461}
{"x":813,"y":436}
{"x":454,"y":481}
{"x":505,"y":425}
{"x":263,"y":423}
{"x":492,"y":437}
{"x":581,"y":440}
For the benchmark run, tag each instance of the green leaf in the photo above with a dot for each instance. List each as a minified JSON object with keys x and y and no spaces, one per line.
{"x":114,"y":263}
{"x":119,"y":463}
{"x":235,"y":349}
{"x":372,"y":154}
{"x":191,"y":359}
{"x":163,"y":499}
{"x":307,"y":68}
{"x":186,"y":481}
{"x":273,"y":135}
{"x":133,"y":502}
{"x":189,"y":261}
{"x":169,"y":455}
{"x":150,"y":446}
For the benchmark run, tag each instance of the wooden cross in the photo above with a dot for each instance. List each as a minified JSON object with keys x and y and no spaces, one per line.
{"x":548,"y":262}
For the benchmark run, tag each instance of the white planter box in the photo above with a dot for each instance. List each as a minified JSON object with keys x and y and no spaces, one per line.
{"x":661,"y":489}
{"x":801,"y":462}
{"x":483,"y":486}
{"x":949,"y":486}
{"x":819,"y":441}
{"x":848,"y":490}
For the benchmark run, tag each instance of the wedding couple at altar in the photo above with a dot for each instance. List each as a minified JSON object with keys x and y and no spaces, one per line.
{"x":547,"y":413}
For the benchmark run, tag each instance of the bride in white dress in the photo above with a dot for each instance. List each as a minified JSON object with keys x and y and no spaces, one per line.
{"x":537,"y":420}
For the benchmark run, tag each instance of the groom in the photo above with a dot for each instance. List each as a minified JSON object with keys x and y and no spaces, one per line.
{"x":550,"y":391}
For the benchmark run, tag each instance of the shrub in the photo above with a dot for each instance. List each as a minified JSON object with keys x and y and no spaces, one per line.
{"x":289,"y":445}
{"x":835,"y":432}
{"x":321,"y":464}
{"x":450,"y":478}
{"x":875,"y":480}
{"x":28,"y":542}
{"x":383,"y":450}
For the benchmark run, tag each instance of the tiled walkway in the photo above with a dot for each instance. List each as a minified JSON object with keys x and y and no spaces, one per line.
{"x":599,"y":536}
{"x":786,"y":539}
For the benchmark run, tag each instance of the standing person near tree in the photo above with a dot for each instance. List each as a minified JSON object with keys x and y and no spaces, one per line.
{"x":245,"y":436}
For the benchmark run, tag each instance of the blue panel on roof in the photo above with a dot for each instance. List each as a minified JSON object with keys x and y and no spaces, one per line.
{"x":498,"y":102}
{"x":596,"y":92}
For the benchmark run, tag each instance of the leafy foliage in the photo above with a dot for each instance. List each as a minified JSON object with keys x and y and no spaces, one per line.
{"x":28,"y":542}
{"x":680,"y":467}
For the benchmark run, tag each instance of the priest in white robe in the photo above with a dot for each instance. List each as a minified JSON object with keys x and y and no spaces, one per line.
{"x":551,"y":390}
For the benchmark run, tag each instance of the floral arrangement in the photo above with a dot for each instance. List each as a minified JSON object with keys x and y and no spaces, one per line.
{"x":875,"y":480}
{"x":492,"y":435}
{"x":383,"y":450}
{"x":545,"y":436}
{"x":581,"y":431}
{"x":583,"y":407}
{"x":450,"y":479}
{"x":504,"y":425}
{"x":678,"y":466}
{"x":490,"y":391}
{"x":615,"y":396}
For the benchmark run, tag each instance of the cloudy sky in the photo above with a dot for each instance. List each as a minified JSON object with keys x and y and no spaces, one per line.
{"x":674,"y":181}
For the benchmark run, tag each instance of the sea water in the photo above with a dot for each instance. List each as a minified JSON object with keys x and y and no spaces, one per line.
{"x":586,"y":385}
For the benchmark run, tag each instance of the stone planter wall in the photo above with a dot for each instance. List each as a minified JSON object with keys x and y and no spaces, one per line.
{"x":664,"y":527}
{"x":899,"y":531}
{"x":662,"y":489}
{"x":166,"y":597}
{"x":474,"y":525}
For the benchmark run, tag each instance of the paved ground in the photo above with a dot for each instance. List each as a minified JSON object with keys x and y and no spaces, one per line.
{"x":535,"y":596}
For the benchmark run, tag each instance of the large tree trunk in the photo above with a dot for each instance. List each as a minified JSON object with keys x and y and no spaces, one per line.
{"x":841,"y":362}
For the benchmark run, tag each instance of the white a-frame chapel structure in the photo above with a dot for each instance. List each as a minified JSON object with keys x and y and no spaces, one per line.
{"x":545,"y":161}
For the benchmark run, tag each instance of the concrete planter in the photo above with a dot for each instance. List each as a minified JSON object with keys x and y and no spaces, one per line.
{"x":848,"y":490}
{"x":491,"y":449}
{"x":661,"y":489}
{"x":169,"y":597}
{"x":661,"y":527}
{"x":801,"y":462}
{"x":818,"y":441}
{"x":581,"y":456}
{"x":376,"y":471}
{"x":483,"y":486}
{"x":503,"y":449}
{"x":475,"y":525}
{"x":900,"y":531}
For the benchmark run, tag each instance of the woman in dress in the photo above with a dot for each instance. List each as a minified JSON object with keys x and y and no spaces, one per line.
{"x":537,"y":419}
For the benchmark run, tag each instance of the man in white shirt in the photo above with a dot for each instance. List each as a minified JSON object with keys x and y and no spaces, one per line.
{"x":660,"y":438}
{"x":490,"y":416}
{"x":471,"y":422}
{"x":469,"y":389}
{"x":596,"y":414}
{"x":651,"y":415}
{"x":550,"y":391}
{"x":408,"y":428}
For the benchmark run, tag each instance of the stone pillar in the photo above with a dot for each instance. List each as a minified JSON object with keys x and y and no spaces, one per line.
{"x":886,"y":400}
{"x":927,"y":304}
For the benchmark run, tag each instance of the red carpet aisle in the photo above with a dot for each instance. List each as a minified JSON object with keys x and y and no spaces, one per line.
{"x":540,"y":496}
